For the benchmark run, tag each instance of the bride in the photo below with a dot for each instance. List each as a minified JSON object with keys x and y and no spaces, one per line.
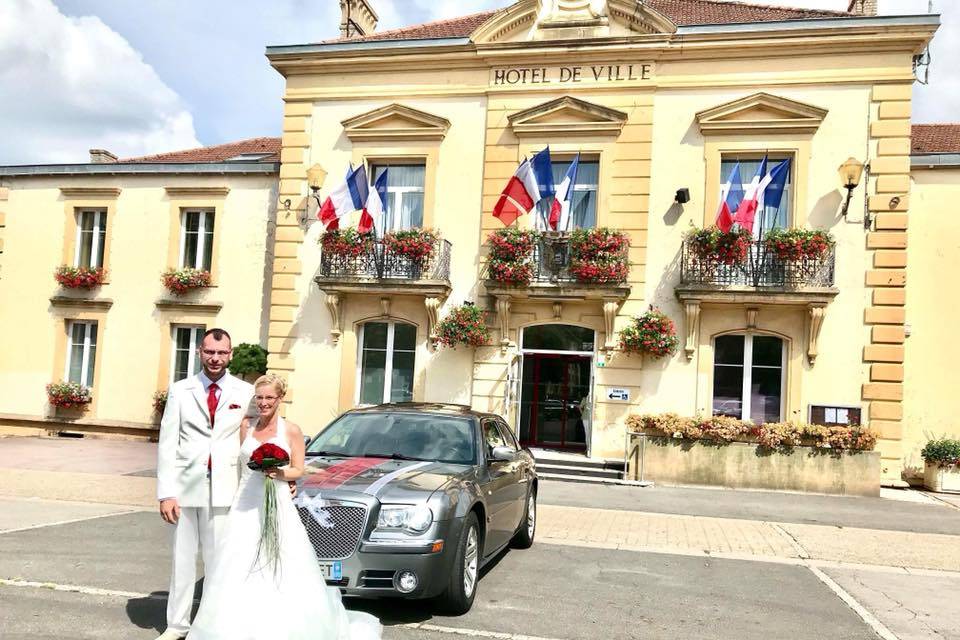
{"x":246,"y":598}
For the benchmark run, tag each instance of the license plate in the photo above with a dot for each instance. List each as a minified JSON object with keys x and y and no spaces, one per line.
{"x":332,"y":570}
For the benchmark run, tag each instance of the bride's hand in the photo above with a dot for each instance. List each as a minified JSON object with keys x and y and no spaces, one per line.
{"x":275,"y":474}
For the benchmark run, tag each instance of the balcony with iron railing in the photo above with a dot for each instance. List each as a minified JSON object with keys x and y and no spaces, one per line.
{"x":757,"y":277}
{"x":376,"y":269}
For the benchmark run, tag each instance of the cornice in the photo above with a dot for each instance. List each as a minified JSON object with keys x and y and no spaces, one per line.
{"x":197,"y":192}
{"x":90,"y":192}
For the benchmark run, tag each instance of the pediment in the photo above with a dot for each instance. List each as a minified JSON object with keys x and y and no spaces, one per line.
{"x":395,"y":122}
{"x":568,"y":116}
{"x":528,"y":20}
{"x":761,"y":113}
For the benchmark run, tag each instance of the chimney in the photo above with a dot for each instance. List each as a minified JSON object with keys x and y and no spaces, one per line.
{"x":101,"y":156}
{"x":863,"y":7}
{"x":357,"y":18}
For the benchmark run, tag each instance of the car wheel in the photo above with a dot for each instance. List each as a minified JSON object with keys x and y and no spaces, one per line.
{"x":528,"y":525}
{"x":462,"y":586}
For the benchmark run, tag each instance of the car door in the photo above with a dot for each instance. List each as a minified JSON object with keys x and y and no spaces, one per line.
{"x":498,"y":487}
{"x":519,"y":474}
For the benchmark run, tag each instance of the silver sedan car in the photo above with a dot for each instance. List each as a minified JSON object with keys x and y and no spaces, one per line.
{"x":411,"y":500}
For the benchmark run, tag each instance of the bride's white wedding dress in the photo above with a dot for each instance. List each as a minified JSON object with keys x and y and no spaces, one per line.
{"x":245,"y":600}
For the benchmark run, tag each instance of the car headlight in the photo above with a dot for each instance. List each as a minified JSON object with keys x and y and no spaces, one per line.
{"x":415,"y":519}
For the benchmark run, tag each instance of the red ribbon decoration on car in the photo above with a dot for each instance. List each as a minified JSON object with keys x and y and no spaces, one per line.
{"x":337,"y":474}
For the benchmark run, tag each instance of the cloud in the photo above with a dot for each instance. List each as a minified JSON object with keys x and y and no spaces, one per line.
{"x":71,"y":84}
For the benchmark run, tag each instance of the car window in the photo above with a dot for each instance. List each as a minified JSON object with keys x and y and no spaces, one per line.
{"x":415,"y":435}
{"x":508,"y":436}
{"x":492,"y":435}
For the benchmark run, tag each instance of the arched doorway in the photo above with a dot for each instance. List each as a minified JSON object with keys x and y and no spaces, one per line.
{"x":556,"y":382}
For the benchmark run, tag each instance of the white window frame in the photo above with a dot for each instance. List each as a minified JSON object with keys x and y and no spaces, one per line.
{"x":388,"y":365}
{"x":398,"y":194}
{"x":195,"y":331}
{"x":745,"y":180}
{"x":99,"y":226}
{"x":577,"y":186}
{"x":91,"y":326}
{"x":746,"y":400}
{"x":205,"y":215}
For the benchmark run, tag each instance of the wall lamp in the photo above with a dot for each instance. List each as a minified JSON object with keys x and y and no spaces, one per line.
{"x":316,"y":175}
{"x":850,"y":173}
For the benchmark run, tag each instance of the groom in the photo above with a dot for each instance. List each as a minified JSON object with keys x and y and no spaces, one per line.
{"x":197,"y":468}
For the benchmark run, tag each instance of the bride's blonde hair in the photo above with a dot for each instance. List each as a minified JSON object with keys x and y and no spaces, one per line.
{"x":272,"y":379}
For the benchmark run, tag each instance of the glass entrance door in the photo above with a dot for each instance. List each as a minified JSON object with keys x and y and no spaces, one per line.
{"x":555,"y":400}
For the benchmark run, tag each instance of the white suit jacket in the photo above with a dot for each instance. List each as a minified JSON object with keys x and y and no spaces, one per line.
{"x":187,"y":441}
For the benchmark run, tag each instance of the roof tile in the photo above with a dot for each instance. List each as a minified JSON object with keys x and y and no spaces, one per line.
{"x":218,"y":153}
{"x":681,"y":12}
{"x":935,"y":138}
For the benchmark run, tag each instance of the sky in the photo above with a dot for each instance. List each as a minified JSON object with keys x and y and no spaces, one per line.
{"x":145,"y":76}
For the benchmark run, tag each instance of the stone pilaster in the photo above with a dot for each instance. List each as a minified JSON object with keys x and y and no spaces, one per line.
{"x":888,"y":200}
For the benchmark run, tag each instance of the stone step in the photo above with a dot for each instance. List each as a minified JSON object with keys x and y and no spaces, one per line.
{"x":591,"y":480}
{"x":587,"y":463}
{"x":578,"y":470}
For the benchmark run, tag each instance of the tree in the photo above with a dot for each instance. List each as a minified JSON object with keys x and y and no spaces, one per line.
{"x":248,"y":360}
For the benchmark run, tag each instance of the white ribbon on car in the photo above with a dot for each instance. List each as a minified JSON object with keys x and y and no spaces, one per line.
{"x":375,"y":488}
{"x":315,"y":507}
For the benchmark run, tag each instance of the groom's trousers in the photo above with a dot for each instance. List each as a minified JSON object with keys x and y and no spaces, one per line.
{"x":198,"y":532}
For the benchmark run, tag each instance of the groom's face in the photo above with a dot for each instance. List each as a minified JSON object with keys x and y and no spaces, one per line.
{"x":215,"y":356}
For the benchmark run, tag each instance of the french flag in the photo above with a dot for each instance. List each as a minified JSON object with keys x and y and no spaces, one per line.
{"x":376,"y":205}
{"x":730,"y":198}
{"x":346,"y":198}
{"x":519,"y":196}
{"x":560,"y":209}
{"x":763,"y":192}
{"x":747,"y":211}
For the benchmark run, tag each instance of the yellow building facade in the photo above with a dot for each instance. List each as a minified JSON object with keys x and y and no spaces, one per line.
{"x":654,"y":98}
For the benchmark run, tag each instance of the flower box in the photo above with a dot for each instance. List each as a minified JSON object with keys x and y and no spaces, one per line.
{"x":68,"y":395}
{"x":347,"y":243}
{"x":941,"y":470}
{"x":941,"y":478}
{"x":181,"y":281}
{"x":417,"y":245}
{"x":711,"y":245}
{"x":599,"y":256}
{"x":511,"y":255}
{"x":79,"y":277}
{"x":794,"y":245}
{"x":463,"y":325}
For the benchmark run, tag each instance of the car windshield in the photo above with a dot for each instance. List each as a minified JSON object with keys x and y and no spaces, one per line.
{"x":402,"y":435}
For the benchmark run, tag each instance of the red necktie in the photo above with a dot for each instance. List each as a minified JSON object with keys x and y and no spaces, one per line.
{"x":212,"y":401}
{"x":212,"y":407}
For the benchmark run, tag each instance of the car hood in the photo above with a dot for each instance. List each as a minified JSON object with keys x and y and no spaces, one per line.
{"x":387,"y":480}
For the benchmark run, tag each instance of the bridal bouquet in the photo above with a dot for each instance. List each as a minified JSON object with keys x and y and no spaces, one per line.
{"x":268,"y":457}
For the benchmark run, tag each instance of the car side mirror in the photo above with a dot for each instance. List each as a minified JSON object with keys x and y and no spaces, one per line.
{"x":306,"y":440}
{"x":503,"y":454}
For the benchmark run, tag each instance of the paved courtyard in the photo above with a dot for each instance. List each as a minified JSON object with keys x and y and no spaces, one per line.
{"x":610,"y":562}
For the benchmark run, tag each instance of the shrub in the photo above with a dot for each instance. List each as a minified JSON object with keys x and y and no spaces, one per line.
{"x":713,"y":245}
{"x":180,"y":281}
{"x":345,"y":242}
{"x":159,"y":402}
{"x":943,"y":453}
{"x":511,"y":255}
{"x":652,"y":333}
{"x":68,"y":395}
{"x":416,"y":244}
{"x":463,"y":325}
{"x":79,"y":277}
{"x":248,"y":359}
{"x":599,"y":255}
{"x":774,"y":435}
{"x":791,"y":245}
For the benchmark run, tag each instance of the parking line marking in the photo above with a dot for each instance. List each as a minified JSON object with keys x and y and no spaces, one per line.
{"x":73,"y":588}
{"x":879,"y":628}
{"x":94,"y":591}
{"x":72,"y":521}
{"x":476,"y":633}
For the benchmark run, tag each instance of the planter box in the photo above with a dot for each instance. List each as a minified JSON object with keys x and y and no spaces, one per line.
{"x":937,"y":478}
{"x":742,"y":465}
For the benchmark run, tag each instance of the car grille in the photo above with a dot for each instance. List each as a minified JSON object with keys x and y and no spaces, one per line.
{"x":339,"y":541}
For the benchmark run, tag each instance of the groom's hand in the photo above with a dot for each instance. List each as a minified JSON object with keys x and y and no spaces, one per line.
{"x":170,"y":510}
{"x":293,"y":489}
